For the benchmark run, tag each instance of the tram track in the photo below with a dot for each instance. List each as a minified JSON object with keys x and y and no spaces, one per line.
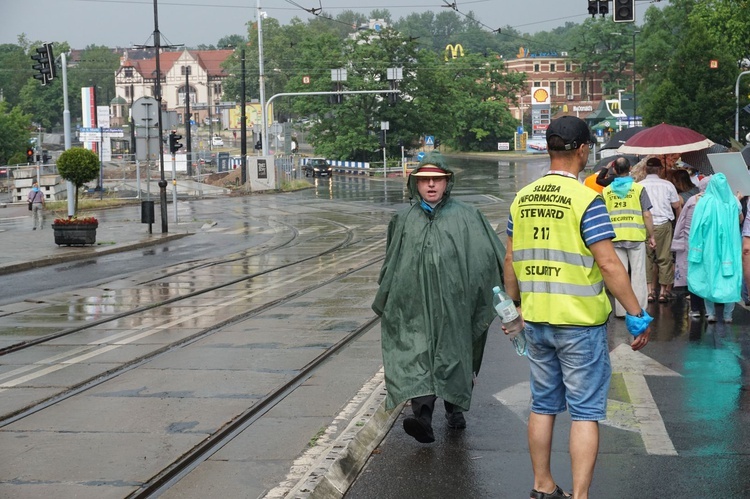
{"x":346,"y":242}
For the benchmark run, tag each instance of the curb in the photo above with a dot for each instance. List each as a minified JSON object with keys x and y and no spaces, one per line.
{"x":92,"y":252}
{"x":332,"y":469}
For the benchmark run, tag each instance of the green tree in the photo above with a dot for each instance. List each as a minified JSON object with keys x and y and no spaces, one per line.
{"x":603,"y":48}
{"x":14,"y":132}
{"x":43,"y":103}
{"x":231,"y":41}
{"x":16,"y":69}
{"x":78,"y":165}
{"x":679,"y":87}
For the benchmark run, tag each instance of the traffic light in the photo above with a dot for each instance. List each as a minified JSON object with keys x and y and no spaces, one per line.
{"x":29,"y":155}
{"x":604,"y":7}
{"x":381,"y":139}
{"x":174,"y":145}
{"x":436,"y":144}
{"x":593,"y":7}
{"x":45,"y":63}
{"x":624,"y":11}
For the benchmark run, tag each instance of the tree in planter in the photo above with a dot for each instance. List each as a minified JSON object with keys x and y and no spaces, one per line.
{"x":78,"y":165}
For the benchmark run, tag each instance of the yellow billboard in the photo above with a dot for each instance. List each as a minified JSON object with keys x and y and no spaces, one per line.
{"x":254,"y":115}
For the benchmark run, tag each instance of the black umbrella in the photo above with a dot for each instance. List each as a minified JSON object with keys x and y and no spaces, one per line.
{"x":699,"y":161}
{"x":604,"y":162}
{"x":619,"y":138}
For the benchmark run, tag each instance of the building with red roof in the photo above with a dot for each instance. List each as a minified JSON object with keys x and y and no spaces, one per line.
{"x":195,"y":73}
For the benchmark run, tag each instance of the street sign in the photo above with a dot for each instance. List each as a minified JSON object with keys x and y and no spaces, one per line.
{"x":146,"y":119}
{"x":429,"y":140}
{"x":95,"y":134}
{"x":503,"y":146}
{"x":420,"y":156}
{"x":306,"y":80}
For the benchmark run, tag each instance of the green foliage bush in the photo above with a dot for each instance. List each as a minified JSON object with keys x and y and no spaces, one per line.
{"x":78,"y":165}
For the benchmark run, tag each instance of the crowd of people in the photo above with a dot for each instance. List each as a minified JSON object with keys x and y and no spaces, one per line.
{"x":698,"y":224}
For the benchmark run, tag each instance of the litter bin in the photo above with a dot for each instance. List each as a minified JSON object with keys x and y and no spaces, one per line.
{"x":147,"y":212}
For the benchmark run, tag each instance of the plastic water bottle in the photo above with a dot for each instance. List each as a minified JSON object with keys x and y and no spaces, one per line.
{"x":512,"y":322}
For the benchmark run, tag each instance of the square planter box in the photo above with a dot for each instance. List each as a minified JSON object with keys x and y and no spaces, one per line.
{"x":75,"y":235}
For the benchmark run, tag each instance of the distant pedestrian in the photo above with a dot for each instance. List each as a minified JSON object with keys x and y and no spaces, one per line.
{"x":666,"y":206}
{"x":630,"y":210}
{"x":36,"y":203}
{"x":559,"y":258}
{"x":435,"y":299}
{"x":685,"y":188}
{"x":680,"y":247}
{"x":715,"y":249}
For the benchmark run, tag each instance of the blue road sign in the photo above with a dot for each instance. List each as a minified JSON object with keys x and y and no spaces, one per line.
{"x":420,"y":156}
{"x":429,"y":140}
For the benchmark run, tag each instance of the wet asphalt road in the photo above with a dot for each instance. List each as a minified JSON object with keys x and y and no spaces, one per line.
{"x":679,"y":431}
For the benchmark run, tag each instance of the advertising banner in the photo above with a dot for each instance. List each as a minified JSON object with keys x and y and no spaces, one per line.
{"x":253,"y":112}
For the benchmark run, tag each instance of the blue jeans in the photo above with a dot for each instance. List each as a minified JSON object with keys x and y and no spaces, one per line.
{"x":569,"y":366}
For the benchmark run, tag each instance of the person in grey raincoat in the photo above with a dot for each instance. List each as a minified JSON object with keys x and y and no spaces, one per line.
{"x":435,"y":299}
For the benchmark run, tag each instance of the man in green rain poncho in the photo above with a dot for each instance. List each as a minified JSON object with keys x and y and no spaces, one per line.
{"x":442,"y":260}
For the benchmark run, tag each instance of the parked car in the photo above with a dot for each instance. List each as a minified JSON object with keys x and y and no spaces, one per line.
{"x":317,"y":167}
{"x":217,"y":141}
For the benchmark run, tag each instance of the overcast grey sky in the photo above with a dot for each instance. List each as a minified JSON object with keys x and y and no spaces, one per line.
{"x":123,"y":23}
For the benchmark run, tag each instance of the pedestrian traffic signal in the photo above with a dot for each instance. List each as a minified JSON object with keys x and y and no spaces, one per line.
{"x":624,"y":11}
{"x":174,"y":145}
{"x":45,"y":63}
{"x":259,"y":144}
{"x":604,"y":7}
{"x":29,"y":155}
{"x":436,"y":144}
{"x":381,"y":139}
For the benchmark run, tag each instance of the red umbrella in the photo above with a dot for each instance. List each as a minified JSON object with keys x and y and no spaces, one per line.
{"x":665,"y":139}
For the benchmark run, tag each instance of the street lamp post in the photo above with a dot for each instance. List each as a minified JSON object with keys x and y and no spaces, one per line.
{"x":635,"y":102}
{"x":737,"y":111}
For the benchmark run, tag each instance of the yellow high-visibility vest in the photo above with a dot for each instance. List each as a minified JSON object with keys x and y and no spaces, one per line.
{"x":626,"y":213}
{"x":559,"y":280}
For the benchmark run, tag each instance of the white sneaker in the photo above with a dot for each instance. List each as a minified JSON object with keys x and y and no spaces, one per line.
{"x":711,"y":318}
{"x":695,"y":313}
{"x":727,"y":320}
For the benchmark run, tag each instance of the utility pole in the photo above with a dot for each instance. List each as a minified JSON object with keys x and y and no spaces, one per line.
{"x":188,"y":142}
{"x":243,"y":122}
{"x":66,"y":130}
{"x":262,"y":84}
{"x":157,"y":91}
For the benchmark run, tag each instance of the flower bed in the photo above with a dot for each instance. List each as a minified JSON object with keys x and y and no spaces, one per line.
{"x":76,"y":221}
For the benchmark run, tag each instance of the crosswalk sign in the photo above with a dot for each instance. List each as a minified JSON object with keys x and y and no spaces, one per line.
{"x":429,"y":140}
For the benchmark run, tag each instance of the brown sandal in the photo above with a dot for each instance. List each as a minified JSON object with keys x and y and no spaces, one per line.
{"x":651,"y":297}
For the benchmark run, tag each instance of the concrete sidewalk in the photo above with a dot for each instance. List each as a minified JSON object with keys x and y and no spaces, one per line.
{"x":22,"y":248}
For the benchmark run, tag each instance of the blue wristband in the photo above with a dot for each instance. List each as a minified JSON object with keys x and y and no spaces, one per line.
{"x":637,"y":325}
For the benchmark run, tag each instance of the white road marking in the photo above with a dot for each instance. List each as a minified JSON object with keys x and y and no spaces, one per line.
{"x":641,"y":414}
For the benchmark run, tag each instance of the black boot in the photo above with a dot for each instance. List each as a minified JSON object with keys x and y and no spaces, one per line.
{"x":455,"y":417}
{"x":420,"y":426}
